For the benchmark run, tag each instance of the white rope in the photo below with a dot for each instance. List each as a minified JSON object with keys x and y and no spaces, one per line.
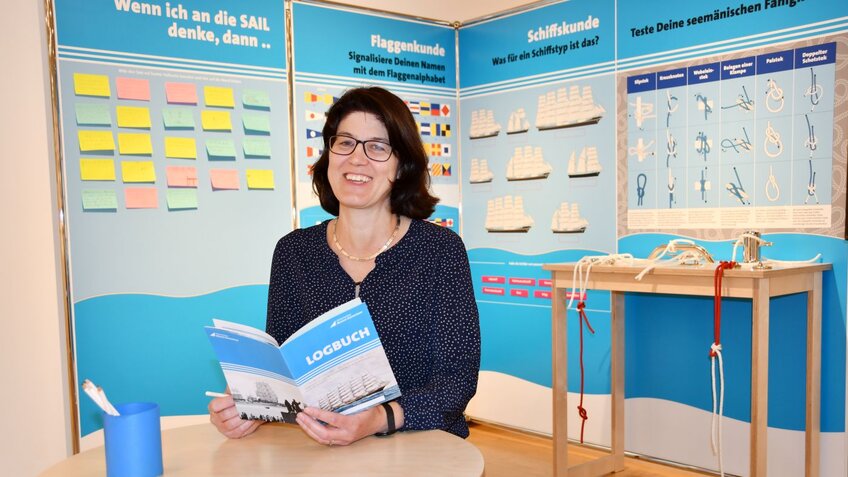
{"x":718,"y":414}
{"x":579,"y":282}
{"x":739,"y":242}
{"x":671,"y":247}
{"x":772,"y":137}
{"x":792,"y":262}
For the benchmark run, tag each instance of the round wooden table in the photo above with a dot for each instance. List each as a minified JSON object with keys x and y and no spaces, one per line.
{"x":283,"y":449}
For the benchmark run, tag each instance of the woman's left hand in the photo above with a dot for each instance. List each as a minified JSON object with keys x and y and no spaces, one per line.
{"x":337,"y":429}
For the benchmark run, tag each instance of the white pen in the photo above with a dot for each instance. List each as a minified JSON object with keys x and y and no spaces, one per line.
{"x":215,"y":395}
{"x":99,"y":397}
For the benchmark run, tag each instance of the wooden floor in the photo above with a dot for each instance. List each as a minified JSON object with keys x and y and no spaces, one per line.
{"x":510,"y":453}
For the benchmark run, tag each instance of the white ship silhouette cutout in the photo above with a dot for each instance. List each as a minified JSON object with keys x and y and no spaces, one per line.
{"x":483,"y":124}
{"x":567,"y":220}
{"x":480,"y":172}
{"x":351,"y":392}
{"x":517,"y":122}
{"x":506,"y":214}
{"x":561,"y":109}
{"x":585,"y":165}
{"x":527,"y":164}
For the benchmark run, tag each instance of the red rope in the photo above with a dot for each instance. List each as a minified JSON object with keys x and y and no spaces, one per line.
{"x":719,"y":273}
{"x":581,"y":306}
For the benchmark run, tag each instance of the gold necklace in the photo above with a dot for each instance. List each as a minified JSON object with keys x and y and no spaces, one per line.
{"x":371,"y":257}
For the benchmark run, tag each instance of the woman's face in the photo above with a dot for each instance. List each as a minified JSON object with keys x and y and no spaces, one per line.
{"x":357,"y":181}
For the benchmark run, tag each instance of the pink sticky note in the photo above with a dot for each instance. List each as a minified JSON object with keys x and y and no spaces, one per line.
{"x":181,"y":93}
{"x":133,"y":88}
{"x":224,"y":179}
{"x":181,"y":176}
{"x":141,"y":198}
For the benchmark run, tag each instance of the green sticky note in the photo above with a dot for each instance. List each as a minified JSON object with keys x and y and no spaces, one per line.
{"x":182,"y":199}
{"x":220,"y":149}
{"x":93,"y":114}
{"x":254,"y":98}
{"x":257,"y":147}
{"x":99,"y":200}
{"x":178,"y":118}
{"x":256,"y":123}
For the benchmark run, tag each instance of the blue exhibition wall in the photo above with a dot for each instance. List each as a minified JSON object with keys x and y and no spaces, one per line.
{"x":175,"y":143}
{"x":713,"y":119}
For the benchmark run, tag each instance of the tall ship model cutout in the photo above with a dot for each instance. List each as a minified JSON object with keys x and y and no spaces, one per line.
{"x":586,"y":164}
{"x":506,"y":215}
{"x":567,"y":220}
{"x":483,"y":124}
{"x":518,"y":122}
{"x":561,"y":109}
{"x":527,"y":164}
{"x":480,"y":172}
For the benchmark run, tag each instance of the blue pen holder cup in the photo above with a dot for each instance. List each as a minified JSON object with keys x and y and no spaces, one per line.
{"x":133,"y":441}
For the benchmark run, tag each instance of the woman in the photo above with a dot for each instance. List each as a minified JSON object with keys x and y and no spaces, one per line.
{"x":413,"y":275}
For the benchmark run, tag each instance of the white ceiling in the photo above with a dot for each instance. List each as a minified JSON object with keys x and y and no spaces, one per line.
{"x":447,"y":10}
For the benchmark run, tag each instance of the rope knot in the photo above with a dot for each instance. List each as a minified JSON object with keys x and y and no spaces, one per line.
{"x":581,"y":305}
{"x":582,"y":412}
{"x":715,"y":348}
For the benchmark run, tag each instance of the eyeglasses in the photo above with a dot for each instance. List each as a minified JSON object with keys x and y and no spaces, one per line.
{"x":375,"y":150}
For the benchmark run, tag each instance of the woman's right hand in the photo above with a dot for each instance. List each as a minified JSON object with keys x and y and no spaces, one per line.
{"x":224,"y":415}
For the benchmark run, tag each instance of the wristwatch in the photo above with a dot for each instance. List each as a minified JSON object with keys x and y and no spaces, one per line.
{"x":390,"y":420}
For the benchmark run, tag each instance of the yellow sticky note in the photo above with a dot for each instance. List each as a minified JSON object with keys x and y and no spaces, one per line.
{"x":216,"y":120}
{"x":92,"y":85}
{"x":96,"y":141}
{"x":97,"y":169}
{"x":134,"y":143}
{"x":138,"y":171}
{"x":133,"y":117}
{"x":219,"y":96}
{"x":180,"y":147}
{"x":260,"y":179}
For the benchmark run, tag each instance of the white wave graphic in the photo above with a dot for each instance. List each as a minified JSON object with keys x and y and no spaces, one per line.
{"x":653,"y":427}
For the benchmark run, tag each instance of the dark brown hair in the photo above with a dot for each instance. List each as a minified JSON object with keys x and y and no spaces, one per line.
{"x":410,"y":195}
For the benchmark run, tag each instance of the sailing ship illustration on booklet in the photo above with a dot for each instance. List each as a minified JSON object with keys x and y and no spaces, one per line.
{"x":567,"y":220}
{"x":586,"y":164}
{"x":527,"y":164}
{"x":561,"y":109}
{"x":506,"y":214}
{"x":483,"y":124}
{"x":335,"y":362}
{"x":518,"y":122}
{"x":480,"y":172}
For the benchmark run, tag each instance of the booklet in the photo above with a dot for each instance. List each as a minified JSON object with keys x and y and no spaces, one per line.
{"x":335,"y":362}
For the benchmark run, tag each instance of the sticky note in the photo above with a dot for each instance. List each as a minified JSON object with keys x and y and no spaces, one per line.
{"x":216,"y":120}
{"x":224,"y":179}
{"x":141,"y":198}
{"x":138,"y":171}
{"x":92,"y":85}
{"x":220,"y":149}
{"x":180,"y":147}
{"x":181,"y":176}
{"x":97,"y":169}
{"x":99,"y":200}
{"x":133,"y":117}
{"x":256,"y":147}
{"x":260,"y":179}
{"x":133,"y":88}
{"x":218,"y":96}
{"x":182,"y":199}
{"x":90,"y":114}
{"x":180,"y":93}
{"x":134,"y":143}
{"x":256,"y":123}
{"x":255,"y":99}
{"x":178,"y":118}
{"x":96,"y":141}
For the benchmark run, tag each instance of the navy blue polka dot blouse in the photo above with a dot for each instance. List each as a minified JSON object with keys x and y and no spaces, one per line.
{"x":421,"y":299}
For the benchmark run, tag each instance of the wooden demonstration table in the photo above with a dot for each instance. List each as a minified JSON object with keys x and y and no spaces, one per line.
{"x":757,"y":285}
{"x":283,"y":449}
